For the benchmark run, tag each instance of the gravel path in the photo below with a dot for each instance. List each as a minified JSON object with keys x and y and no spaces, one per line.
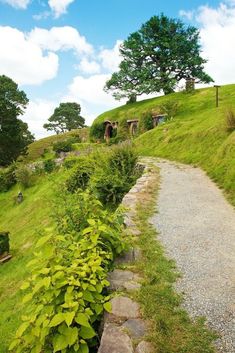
{"x":197,"y":228}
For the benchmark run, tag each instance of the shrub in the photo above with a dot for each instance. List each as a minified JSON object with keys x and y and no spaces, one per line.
{"x":146,"y":123}
{"x":170,"y":108}
{"x":230,"y":120}
{"x":4,"y":243}
{"x":63,"y":146}
{"x":97,"y":131}
{"x":80,"y":174}
{"x":67,"y":287}
{"x":49,"y":165}
{"x":7,"y":178}
{"x":24,"y":176}
{"x":70,"y":162}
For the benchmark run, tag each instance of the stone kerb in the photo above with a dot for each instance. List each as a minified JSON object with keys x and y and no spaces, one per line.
{"x":123,"y":328}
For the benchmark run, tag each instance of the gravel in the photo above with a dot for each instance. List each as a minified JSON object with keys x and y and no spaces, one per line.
{"x":197,"y":229}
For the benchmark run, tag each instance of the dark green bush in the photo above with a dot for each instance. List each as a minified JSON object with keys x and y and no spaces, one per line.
{"x":63,"y":146}
{"x":70,"y":162}
{"x":7,"y":178}
{"x":4,"y":243}
{"x":97,"y":131}
{"x":146,"y":122}
{"x":24,"y":176}
{"x":49,"y":165}
{"x":81,"y":173}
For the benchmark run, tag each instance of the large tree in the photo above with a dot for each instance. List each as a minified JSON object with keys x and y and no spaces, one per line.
{"x":65,"y":118}
{"x":155,"y":58}
{"x":14,"y":133}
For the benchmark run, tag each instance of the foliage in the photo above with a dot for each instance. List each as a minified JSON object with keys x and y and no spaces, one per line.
{"x":49,"y":165}
{"x":230,"y":120}
{"x":70,"y":162}
{"x":146,"y":122}
{"x":4,"y":243}
{"x":170,"y":108}
{"x":63,"y":146}
{"x":97,"y":131}
{"x":14,"y":133}
{"x":65,"y":118}
{"x":24,"y":176}
{"x":7,"y":178}
{"x":156,"y":57}
{"x":81,"y":173}
{"x":69,"y":275}
{"x":114,"y":174}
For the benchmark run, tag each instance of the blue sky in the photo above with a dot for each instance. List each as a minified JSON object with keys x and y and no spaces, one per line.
{"x":65,"y":50}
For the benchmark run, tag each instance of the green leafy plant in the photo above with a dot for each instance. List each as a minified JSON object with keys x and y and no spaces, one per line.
{"x":67,"y":287}
{"x":63,"y":146}
{"x":80,"y":174}
{"x":7,"y":178}
{"x":170,"y":108}
{"x":49,"y":165}
{"x":24,"y":176}
{"x":97,"y":131}
{"x":4,"y":243}
{"x":230,"y":120}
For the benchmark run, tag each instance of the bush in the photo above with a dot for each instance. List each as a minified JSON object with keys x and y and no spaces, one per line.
{"x":170,"y":108}
{"x":81,"y":173}
{"x":146,"y":122}
{"x":70,"y":162}
{"x":66,"y":291}
{"x":97,"y":131}
{"x":63,"y":146}
{"x":49,"y":165}
{"x":24,"y":176}
{"x":230,"y":120}
{"x":4,"y":243}
{"x":7,"y":178}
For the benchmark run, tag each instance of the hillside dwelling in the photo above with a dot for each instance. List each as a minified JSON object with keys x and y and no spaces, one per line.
{"x":133,"y":126}
{"x":109,"y":127}
{"x":158,"y":119}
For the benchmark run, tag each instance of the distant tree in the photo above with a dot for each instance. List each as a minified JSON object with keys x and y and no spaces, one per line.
{"x":65,"y":118}
{"x":155,"y":58}
{"x":14,"y":133}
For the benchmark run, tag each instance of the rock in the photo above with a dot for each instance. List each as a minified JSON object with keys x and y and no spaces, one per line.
{"x":123,"y":308}
{"x":129,"y":222}
{"x":136,"y":328}
{"x":114,"y":340}
{"x":118,"y":279}
{"x":126,"y":258}
{"x":133,"y":231}
{"x":132,"y":286}
{"x":144,"y":347}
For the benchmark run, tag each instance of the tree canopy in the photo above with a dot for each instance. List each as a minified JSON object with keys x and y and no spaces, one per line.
{"x":157,"y":57}
{"x":65,"y":118}
{"x":14,"y":133}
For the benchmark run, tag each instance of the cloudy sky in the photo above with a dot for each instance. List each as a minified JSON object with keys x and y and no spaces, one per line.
{"x":65,"y":50}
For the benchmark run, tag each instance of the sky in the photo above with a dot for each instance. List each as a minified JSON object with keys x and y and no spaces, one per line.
{"x":65,"y":50}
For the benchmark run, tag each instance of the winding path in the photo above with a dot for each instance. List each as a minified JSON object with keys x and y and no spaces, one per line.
{"x":197,"y":228}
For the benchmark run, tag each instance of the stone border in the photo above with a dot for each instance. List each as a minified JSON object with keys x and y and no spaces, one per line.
{"x":124,"y":330}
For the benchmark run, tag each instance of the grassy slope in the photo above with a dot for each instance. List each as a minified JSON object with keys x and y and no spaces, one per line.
{"x":36,"y":149}
{"x":196,"y":135}
{"x":23,"y":221}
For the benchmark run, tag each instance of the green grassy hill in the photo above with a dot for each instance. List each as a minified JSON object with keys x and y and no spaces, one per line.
{"x":197,"y":134}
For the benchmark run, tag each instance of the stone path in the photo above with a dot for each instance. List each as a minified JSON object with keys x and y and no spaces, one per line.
{"x":197,"y":229}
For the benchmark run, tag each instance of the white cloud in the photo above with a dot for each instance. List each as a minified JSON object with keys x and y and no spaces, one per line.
{"x":17,"y":4}
{"x":111,"y":58}
{"x":59,"y":7}
{"x":37,"y":114}
{"x":89,"y":67}
{"x":218,"y":41}
{"x":23,"y":60}
{"x":60,"y":38}
{"x":187,"y":14}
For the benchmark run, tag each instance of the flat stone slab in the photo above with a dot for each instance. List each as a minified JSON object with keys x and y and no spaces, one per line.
{"x":123,"y":308}
{"x":123,"y":279}
{"x":144,"y":347}
{"x":137,"y":328}
{"x":114,"y":340}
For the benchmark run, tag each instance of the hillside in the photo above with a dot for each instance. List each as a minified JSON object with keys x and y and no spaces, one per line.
{"x":197,"y":134}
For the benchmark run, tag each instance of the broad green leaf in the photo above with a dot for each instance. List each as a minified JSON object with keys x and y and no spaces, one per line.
{"x":14,"y":344}
{"x":108,"y":307}
{"x":88,"y":296}
{"x":91,"y":222}
{"x":82,"y":320}
{"x":25,"y":285}
{"x":87,"y":332}
{"x":87,"y":230}
{"x":69,"y":316}
{"x":59,"y":343}
{"x":57,"y":319}
{"x":43,"y":240}
{"x":71,"y":335}
{"x":84,"y":348}
{"x":27,"y":298}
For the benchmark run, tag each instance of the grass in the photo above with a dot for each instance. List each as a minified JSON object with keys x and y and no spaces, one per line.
{"x":172,"y":331}
{"x":197,"y":135}
{"x":43,"y":148}
{"x":23,"y":222}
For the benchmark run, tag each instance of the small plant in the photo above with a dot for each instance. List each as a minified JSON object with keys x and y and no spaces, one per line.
{"x":49,"y":165}
{"x":146,"y":123}
{"x":4,"y":243}
{"x":63,"y":146}
{"x":170,"y":108}
{"x":70,"y":162}
{"x":24,"y":176}
{"x":7,"y":178}
{"x":97,"y":131}
{"x":230,"y":120}
{"x":80,"y":174}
